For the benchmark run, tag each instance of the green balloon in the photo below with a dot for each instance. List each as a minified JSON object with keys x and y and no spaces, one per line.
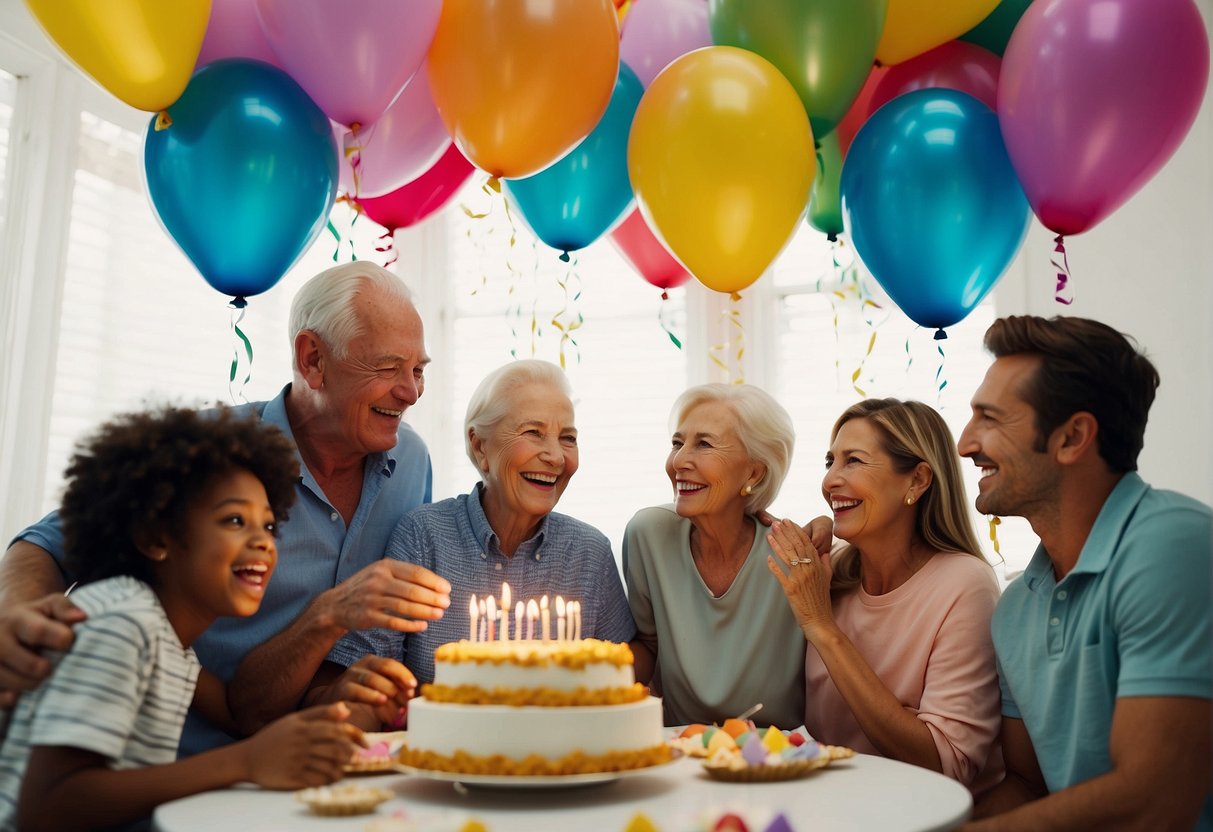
{"x":994,"y":32}
{"x":825,"y":48}
{"x":825,"y":203}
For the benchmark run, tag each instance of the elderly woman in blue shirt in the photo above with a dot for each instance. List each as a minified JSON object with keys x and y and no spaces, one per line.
{"x":520,"y":435}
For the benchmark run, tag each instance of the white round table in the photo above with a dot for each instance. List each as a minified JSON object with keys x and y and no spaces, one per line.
{"x":863,"y":793}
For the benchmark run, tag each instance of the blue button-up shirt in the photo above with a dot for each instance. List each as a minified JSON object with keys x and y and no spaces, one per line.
{"x":453,"y":538}
{"x":316,"y":550}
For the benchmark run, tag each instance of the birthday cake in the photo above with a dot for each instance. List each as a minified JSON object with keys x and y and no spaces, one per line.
{"x":534,"y":708}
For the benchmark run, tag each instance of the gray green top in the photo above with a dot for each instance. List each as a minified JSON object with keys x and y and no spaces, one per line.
{"x":716,"y":656}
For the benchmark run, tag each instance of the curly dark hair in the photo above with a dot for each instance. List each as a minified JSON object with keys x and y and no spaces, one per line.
{"x":1085,"y":366}
{"x":141,"y":471}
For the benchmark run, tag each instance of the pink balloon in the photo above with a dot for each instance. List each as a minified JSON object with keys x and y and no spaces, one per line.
{"x":955,"y":65}
{"x":402,"y":144}
{"x":352,"y":57}
{"x":655,"y":32}
{"x":234,"y":32}
{"x":416,"y":200}
{"x":645,"y":253}
{"x":1095,"y":96}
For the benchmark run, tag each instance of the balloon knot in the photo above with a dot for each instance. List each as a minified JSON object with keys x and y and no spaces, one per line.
{"x":1061,"y":243}
{"x":163,"y":121}
{"x":832,"y":237}
{"x":494,"y":183}
{"x":355,"y":127}
{"x":940,"y":335}
{"x":665,"y":295}
{"x":238,"y":302}
{"x":564,"y":257}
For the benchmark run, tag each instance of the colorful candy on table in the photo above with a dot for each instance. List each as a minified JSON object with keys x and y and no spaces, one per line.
{"x":719,"y":820}
{"x":740,"y":751}
{"x":489,"y":619}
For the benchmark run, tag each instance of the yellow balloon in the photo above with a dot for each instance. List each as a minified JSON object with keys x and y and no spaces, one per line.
{"x":721,"y":158}
{"x":142,"y":51}
{"x":916,"y":26}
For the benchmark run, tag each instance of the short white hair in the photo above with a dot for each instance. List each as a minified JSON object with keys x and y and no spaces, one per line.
{"x":491,"y":401}
{"x":763,"y":426}
{"x":325,"y":304}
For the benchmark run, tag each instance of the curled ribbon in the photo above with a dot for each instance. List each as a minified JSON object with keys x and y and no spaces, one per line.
{"x":242,"y":353}
{"x":1064,"y":293}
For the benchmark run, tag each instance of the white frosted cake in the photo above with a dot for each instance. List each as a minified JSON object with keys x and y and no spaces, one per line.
{"x":534,"y":708}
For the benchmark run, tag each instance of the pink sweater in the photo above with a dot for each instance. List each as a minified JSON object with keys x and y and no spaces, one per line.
{"x":929,"y":642}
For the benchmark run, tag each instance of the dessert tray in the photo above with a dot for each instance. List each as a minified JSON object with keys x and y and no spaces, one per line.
{"x":380,"y":754}
{"x":521,"y":781}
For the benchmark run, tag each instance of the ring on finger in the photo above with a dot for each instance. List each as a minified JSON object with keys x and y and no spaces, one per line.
{"x":798,"y":561}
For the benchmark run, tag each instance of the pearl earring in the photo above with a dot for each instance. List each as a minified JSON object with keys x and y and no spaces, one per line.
{"x":745,"y":492}
{"x":909,"y":500}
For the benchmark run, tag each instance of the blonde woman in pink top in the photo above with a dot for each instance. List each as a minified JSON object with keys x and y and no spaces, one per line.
{"x":899,"y":661}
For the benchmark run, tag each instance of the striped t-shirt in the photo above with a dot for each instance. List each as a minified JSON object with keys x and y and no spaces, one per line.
{"x":121,"y":691}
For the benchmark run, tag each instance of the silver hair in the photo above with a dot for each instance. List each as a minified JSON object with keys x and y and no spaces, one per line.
{"x":325,"y":304}
{"x":763,"y":426}
{"x":490,"y":403}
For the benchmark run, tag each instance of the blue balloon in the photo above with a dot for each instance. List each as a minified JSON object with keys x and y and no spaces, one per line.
{"x":575,"y":200}
{"x":244,"y":177}
{"x":932,"y":204}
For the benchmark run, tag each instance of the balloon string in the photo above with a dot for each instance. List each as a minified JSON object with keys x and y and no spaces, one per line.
{"x":995,"y":522}
{"x":337,"y":235}
{"x":1064,"y":293}
{"x":664,"y":321}
{"x":939,"y":377}
{"x":242,"y":353}
{"x":353,"y":154}
{"x":387,"y":247}
{"x":564,"y":321}
{"x":720,"y":354}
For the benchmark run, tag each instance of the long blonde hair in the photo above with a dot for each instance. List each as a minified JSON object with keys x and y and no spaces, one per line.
{"x":912,"y":432}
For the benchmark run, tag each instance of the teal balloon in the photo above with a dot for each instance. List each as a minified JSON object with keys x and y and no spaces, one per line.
{"x":994,"y":32}
{"x":825,"y":202}
{"x":577,"y":199}
{"x":931,"y":203}
{"x":244,"y":177}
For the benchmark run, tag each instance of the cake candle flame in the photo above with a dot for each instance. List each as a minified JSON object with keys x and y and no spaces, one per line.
{"x":480,"y":633}
{"x":545,"y":618}
{"x":473,"y":610}
{"x":532,"y":615}
{"x":560,"y":621}
{"x":505,"y":611}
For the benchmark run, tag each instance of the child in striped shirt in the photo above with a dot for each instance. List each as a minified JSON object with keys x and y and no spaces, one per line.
{"x":169,"y":519}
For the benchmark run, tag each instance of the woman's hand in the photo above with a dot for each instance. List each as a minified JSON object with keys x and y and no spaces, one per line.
{"x":807,"y":580}
{"x":384,"y":685}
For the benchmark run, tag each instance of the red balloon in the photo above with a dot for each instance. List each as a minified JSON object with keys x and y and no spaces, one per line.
{"x":646,"y":254}
{"x":955,"y":65}
{"x":860,"y":109}
{"x":414,"y":201}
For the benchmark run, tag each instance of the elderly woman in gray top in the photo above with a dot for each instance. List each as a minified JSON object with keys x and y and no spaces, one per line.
{"x":714,"y":633}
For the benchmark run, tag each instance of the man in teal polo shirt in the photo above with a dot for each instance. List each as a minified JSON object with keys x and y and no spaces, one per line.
{"x":1104,"y":643}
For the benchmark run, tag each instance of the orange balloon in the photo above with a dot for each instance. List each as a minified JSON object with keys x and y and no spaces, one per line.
{"x":721,"y":159}
{"x":520,"y":83}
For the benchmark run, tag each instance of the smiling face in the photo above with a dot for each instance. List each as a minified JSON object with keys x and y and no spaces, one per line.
{"x":528,"y":457}
{"x":220,"y":559}
{"x":1001,"y":438}
{"x":865,"y":491}
{"x":708,"y":466}
{"x":380,"y":376}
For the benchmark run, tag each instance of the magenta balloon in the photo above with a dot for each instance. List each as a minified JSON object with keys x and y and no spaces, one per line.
{"x":655,"y":32}
{"x":955,"y":65}
{"x":403,"y":143}
{"x":234,"y":32}
{"x":1094,"y":97}
{"x":352,"y":57}
{"x":414,"y":201}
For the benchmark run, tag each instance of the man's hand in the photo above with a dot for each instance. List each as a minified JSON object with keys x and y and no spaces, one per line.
{"x":388,"y":594}
{"x":27,"y":629}
{"x":820,"y":530}
{"x":307,"y":748}
{"x":384,"y":684}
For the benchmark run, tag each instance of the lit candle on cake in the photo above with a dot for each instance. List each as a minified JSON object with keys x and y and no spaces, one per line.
{"x":473,"y":611}
{"x":545,"y":618}
{"x":518,"y":621}
{"x":560,"y":610}
{"x":490,"y":615}
{"x":483,"y":619}
{"x":505,"y":612}
{"x":532,"y":615}
{"x":575,"y":615}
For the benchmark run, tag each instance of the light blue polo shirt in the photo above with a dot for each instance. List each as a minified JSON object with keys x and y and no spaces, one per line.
{"x":316,"y":550}
{"x":1131,"y":619}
